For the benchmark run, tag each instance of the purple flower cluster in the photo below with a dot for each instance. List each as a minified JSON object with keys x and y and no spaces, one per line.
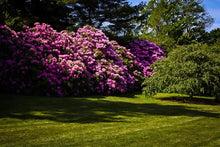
{"x":40,"y":60}
{"x":146,"y":53}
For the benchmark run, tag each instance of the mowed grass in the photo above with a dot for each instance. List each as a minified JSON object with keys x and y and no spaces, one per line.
{"x":130,"y":120}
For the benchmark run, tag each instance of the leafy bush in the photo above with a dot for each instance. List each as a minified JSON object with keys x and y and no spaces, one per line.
{"x":188,"y":69}
{"x":146,"y":53}
{"x":42,"y":61}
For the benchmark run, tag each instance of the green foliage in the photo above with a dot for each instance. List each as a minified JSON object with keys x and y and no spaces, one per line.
{"x":215,"y":36}
{"x":15,"y":13}
{"x":212,"y":37}
{"x":187,"y":69}
{"x":174,"y":22}
{"x":117,"y":17}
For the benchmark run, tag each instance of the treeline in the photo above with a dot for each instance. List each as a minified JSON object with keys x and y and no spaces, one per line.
{"x":165,"y":22}
{"x":115,"y":17}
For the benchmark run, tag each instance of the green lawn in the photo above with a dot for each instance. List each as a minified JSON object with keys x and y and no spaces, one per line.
{"x":131,"y":120}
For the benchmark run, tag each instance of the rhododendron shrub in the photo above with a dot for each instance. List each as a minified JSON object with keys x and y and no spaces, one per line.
{"x":146,"y":53}
{"x":40,"y":60}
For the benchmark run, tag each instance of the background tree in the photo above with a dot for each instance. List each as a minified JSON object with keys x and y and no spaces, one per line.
{"x":174,"y":21}
{"x":124,"y":24}
{"x":192,"y":69}
{"x":16,"y":13}
{"x":13,"y":13}
{"x":116,"y":17}
{"x":211,"y":38}
{"x":214,"y":36}
{"x":52,"y":12}
{"x":93,"y":12}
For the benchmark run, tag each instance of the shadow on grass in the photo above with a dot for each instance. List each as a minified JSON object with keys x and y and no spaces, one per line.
{"x":188,"y":100}
{"x":85,"y":110}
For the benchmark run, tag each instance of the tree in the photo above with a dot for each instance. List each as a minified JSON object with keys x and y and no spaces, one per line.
{"x":11,"y":12}
{"x":93,"y":12}
{"x":215,"y":36}
{"x":124,"y":24}
{"x":211,"y":38}
{"x":54,"y":13}
{"x":192,"y":69}
{"x":115,"y":16}
{"x":16,"y":13}
{"x":170,"y":20}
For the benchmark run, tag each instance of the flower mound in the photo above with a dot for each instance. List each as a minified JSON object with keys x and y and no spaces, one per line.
{"x":42,"y":61}
{"x":146,"y":53}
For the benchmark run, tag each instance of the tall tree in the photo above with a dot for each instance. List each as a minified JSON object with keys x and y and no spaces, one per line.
{"x":54,"y":13}
{"x":16,"y":13}
{"x":124,"y":23}
{"x":179,"y":19}
{"x":116,"y":17}
{"x":101,"y":13}
{"x":11,"y":12}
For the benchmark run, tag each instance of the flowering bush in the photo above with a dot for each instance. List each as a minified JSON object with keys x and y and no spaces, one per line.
{"x":40,"y":60}
{"x":146,"y":53}
{"x":43,"y":61}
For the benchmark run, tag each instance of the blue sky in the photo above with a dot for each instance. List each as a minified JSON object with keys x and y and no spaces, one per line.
{"x":211,"y":6}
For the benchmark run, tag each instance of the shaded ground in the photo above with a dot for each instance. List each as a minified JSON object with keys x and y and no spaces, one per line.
{"x":188,"y":100}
